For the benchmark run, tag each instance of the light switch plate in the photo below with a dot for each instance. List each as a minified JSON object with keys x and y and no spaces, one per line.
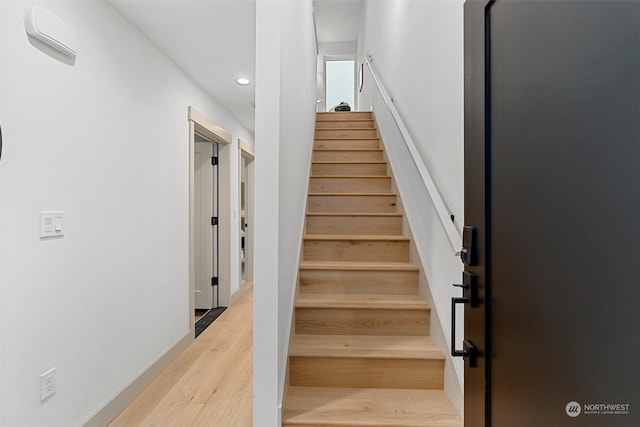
{"x":51,"y":224}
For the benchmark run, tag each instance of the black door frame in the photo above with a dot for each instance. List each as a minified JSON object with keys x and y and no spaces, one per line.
{"x":477,"y":201}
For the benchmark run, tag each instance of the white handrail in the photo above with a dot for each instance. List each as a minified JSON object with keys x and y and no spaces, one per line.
{"x":455,"y":239}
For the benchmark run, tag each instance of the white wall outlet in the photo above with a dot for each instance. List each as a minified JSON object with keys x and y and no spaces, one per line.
{"x":47,"y":385}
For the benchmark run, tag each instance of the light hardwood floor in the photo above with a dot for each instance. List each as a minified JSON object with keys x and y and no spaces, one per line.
{"x":210,"y":384}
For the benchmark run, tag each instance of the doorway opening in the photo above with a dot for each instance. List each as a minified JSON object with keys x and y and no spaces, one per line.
{"x":209,"y":221}
{"x":340,"y":84}
{"x":246,"y":211}
{"x":206,"y":292}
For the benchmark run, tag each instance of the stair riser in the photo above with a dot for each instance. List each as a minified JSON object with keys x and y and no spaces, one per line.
{"x":343,"y":116}
{"x":346,"y":133}
{"x":370,"y":155}
{"x":351,"y":204}
{"x":359,"y":282}
{"x":349,"y":321}
{"x":350,"y":185}
{"x":344,"y":124}
{"x":372,"y":225}
{"x":341,"y":407}
{"x":364,"y":372}
{"x":346,"y":144}
{"x":350,"y":169}
{"x":351,"y":250}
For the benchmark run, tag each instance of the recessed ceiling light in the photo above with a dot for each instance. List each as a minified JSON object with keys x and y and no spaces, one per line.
{"x":242,"y":81}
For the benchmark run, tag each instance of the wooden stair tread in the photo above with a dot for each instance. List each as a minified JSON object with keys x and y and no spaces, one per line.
{"x":361,"y":301}
{"x":356,"y":214}
{"x":365,"y":346}
{"x":372,"y":237}
{"x":350,"y":119}
{"x":353,"y":194}
{"x":358,"y":266}
{"x":350,"y":176}
{"x":342,"y":115}
{"x":365,"y":407}
{"x":344,"y":135}
{"x":349,"y":183}
{"x":346,"y":138}
{"x":354,"y":122}
{"x":350,"y":162}
{"x":344,"y":148}
{"x":343,"y":128}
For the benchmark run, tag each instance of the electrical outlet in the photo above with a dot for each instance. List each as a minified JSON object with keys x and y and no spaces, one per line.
{"x":47,"y":384}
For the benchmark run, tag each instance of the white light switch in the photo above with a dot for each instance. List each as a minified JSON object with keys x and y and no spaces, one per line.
{"x":48,"y":224}
{"x":51,"y":224}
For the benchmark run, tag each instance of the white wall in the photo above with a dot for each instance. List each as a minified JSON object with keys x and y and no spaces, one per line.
{"x":297,"y":124}
{"x":285,"y":106}
{"x":417,"y":49}
{"x":418,"y":52}
{"x":266,"y":209}
{"x":338,"y":49}
{"x":105,"y":140}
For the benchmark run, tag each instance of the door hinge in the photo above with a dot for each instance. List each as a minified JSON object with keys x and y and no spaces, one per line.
{"x":214,"y":281}
{"x":214,"y":220}
{"x":214,"y":161}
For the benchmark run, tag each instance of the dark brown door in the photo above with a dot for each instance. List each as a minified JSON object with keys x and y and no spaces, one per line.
{"x":552,"y":165}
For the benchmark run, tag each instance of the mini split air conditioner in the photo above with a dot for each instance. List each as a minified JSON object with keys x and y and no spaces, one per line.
{"x":51,"y":30}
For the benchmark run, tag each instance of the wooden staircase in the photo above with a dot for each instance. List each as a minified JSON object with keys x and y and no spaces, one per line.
{"x":361,"y":354}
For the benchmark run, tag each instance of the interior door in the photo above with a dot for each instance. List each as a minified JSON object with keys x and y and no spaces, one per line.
{"x":204,"y":211}
{"x":552,"y":99}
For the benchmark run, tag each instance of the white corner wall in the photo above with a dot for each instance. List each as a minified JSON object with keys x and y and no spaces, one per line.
{"x":417,"y":47}
{"x":285,"y":120}
{"x":297,"y":125}
{"x":104,"y":139}
{"x":417,"y":50}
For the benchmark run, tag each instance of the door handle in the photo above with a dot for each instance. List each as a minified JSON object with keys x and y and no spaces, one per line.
{"x":469,"y":350}
{"x":470,"y":288}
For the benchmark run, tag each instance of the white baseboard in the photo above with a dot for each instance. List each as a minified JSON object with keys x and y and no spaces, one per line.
{"x":110,"y":409}
{"x":234,"y":297}
{"x":244,"y":287}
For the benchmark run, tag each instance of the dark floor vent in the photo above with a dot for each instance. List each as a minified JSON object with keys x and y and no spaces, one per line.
{"x":207,"y":319}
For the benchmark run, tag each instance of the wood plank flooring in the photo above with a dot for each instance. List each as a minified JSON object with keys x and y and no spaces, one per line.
{"x":209,"y":384}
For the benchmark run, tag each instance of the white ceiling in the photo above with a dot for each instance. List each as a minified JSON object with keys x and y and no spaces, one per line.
{"x":337,"y":20}
{"x":213,"y":41}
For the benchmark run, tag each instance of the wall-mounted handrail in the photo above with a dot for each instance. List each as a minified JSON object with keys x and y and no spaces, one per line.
{"x":455,"y":239}
{"x":315,"y":31}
